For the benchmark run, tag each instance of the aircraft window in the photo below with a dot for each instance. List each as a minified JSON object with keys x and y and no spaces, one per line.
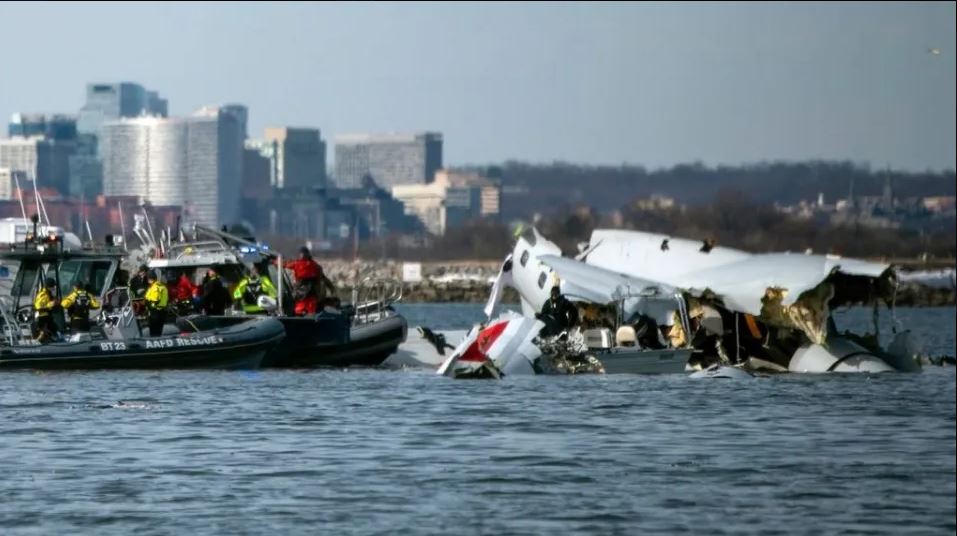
{"x":524,"y":259}
{"x":541,"y":280}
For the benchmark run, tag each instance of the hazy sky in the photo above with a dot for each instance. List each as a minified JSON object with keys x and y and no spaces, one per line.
{"x":651,"y":84}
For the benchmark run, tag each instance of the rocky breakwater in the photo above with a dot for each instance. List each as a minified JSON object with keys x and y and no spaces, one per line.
{"x":471,"y":281}
{"x":426,"y":282}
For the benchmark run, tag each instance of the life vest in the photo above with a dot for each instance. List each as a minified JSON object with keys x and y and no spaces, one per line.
{"x":157,"y":296}
{"x":80,"y":308}
{"x":254,"y":287}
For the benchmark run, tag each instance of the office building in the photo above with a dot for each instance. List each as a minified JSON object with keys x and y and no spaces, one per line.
{"x":300,"y":158}
{"x":451,"y":200}
{"x":9,"y":178}
{"x":40,"y":159}
{"x":193,"y":162}
{"x":105,"y":102}
{"x":54,"y":127}
{"x":387,"y":159}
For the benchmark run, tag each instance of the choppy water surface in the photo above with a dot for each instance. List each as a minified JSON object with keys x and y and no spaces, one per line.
{"x":379,"y":451}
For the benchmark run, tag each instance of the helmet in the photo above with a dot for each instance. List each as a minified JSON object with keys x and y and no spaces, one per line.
{"x":49,"y":282}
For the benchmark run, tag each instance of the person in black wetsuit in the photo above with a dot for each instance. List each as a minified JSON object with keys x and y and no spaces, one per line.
{"x":558,"y":313}
{"x":215,"y":297}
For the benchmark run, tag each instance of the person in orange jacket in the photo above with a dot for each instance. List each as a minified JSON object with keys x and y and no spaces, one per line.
{"x":311,"y":283}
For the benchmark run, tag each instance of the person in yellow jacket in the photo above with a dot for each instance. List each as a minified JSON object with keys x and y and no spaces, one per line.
{"x":78,"y":305}
{"x":43,"y":305}
{"x":157,"y":297}
{"x":250,"y":289}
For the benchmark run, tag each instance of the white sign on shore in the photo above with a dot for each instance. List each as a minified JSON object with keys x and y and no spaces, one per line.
{"x":411,"y":272}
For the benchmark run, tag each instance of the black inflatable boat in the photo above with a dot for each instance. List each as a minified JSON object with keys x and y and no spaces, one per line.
{"x":324,"y":340}
{"x":239,"y":346}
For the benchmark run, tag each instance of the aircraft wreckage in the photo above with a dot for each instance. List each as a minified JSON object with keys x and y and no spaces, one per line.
{"x":651,"y":303}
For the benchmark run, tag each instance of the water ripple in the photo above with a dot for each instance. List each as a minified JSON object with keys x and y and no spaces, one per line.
{"x":377,"y":451}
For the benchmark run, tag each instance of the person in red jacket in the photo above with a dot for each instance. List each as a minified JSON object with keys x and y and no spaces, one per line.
{"x":311,"y":283}
{"x":181,"y":294}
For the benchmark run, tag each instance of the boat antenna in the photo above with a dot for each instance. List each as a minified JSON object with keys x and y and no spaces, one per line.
{"x":36,"y":190}
{"x":89,"y":233}
{"x":23,"y":210}
{"x":119,"y":207}
{"x":149,"y":226}
{"x":44,"y":207}
{"x":36,"y":200}
{"x":162,"y":242}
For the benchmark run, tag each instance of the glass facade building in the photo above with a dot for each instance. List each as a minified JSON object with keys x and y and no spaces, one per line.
{"x":193,"y":162}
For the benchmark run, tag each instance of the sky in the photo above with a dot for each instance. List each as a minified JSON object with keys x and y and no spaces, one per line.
{"x":652,"y":84}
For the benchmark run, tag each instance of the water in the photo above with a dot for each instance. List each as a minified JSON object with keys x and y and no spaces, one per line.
{"x":375,"y":451}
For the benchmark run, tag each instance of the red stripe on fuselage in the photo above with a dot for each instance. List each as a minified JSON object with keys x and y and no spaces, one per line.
{"x":477,"y":350}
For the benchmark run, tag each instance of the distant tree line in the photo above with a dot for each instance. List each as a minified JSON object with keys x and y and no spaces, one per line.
{"x":732,"y":219}
{"x":735,"y":220}
{"x":544,"y":188}
{"x":732,"y":205}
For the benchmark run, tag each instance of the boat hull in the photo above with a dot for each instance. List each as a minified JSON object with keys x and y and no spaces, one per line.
{"x":368,"y":345}
{"x":325,"y":340}
{"x":241,"y":346}
{"x":631,"y":361}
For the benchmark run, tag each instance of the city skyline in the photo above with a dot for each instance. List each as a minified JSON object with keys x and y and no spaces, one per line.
{"x":647,"y":84}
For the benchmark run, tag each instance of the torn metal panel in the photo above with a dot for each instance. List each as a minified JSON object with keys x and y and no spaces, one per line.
{"x":783,"y":289}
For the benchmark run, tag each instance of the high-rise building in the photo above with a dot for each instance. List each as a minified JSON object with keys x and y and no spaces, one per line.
{"x":8,"y":183}
{"x":387,"y":159}
{"x":106,"y":102}
{"x":215,"y":143}
{"x":193,"y":162}
{"x":43,"y":160}
{"x":259,"y":169}
{"x":54,"y":127}
{"x":300,"y":156}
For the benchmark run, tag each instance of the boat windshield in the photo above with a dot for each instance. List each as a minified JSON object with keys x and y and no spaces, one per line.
{"x":95,"y":273}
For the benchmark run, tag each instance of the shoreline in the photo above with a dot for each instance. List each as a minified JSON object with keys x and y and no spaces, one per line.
{"x":471,"y":281}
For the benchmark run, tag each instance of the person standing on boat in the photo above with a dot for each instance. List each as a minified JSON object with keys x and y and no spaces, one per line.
{"x":182,"y":293}
{"x":78,"y":305}
{"x":215,"y":296}
{"x":251,"y":288}
{"x":156,"y":298}
{"x":309,"y":277}
{"x":138,"y":287}
{"x":43,"y":305}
